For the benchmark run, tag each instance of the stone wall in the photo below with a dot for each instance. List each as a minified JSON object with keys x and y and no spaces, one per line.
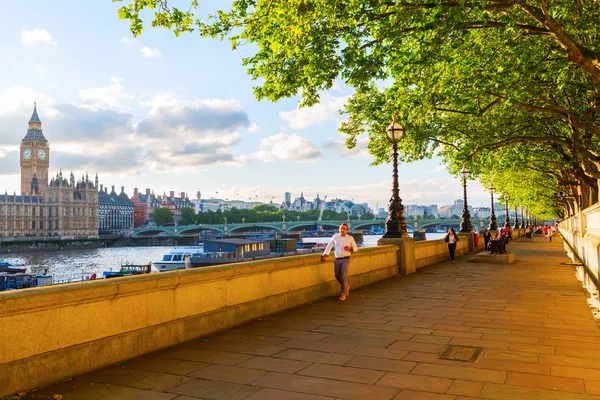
{"x":48,"y":334}
{"x":433,"y":251}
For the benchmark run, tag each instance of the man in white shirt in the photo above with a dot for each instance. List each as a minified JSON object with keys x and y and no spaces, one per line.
{"x":343,"y":245}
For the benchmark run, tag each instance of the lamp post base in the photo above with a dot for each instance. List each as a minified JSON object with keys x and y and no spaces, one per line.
{"x":406,"y":253}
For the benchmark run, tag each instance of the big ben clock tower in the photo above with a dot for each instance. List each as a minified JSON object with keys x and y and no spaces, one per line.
{"x":35,"y":158}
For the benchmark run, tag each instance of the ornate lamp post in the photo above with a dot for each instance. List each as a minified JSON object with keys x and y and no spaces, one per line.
{"x":243,"y":220}
{"x":348,"y":216}
{"x":516,"y":217}
{"x":507,"y":220}
{"x":465,"y":223}
{"x":298,"y":218}
{"x":358,"y":217}
{"x":395,"y":224}
{"x":493,"y":225}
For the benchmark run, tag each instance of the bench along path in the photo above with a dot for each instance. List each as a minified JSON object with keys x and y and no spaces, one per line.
{"x":531,"y":318}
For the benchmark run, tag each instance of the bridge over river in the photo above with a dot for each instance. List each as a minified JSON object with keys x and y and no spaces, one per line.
{"x":291,"y":228}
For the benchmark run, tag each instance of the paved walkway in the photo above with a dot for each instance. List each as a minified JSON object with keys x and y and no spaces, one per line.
{"x":531,"y":318}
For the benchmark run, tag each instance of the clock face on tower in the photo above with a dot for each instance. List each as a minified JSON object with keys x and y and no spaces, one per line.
{"x":42,"y":154}
{"x":27,"y":154}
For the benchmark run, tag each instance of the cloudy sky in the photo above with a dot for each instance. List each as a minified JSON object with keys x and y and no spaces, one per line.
{"x":178,"y":114}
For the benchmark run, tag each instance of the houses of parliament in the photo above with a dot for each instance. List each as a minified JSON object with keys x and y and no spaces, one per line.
{"x":59,"y":207}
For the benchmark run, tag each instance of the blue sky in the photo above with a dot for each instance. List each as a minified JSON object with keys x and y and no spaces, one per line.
{"x":178,"y":114}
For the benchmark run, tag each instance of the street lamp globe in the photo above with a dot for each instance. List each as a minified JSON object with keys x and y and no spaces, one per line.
{"x":395,"y":130}
{"x":464,"y":172}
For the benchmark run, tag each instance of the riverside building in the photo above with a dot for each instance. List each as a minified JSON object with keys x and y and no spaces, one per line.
{"x":61,"y":207}
{"x":115,"y":212}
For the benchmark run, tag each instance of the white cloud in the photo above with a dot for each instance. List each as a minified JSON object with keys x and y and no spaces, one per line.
{"x":253,"y":128}
{"x":37,"y":35}
{"x":326,"y":110}
{"x":106,"y":97}
{"x":360,"y":150}
{"x":126,"y":40}
{"x":19,"y":97}
{"x":285,"y":147}
{"x":150,"y":53}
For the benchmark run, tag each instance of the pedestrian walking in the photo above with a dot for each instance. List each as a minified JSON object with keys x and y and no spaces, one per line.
{"x":343,"y":246}
{"x":451,"y":238}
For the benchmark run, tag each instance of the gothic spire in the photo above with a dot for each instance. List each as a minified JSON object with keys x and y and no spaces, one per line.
{"x":34,"y":130}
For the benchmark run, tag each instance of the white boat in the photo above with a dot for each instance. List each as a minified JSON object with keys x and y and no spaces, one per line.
{"x":175,"y":258}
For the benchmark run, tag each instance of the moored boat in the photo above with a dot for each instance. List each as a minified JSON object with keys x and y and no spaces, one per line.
{"x":175,"y":258}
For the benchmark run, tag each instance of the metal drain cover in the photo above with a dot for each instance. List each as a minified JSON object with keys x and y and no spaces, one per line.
{"x":460,"y":353}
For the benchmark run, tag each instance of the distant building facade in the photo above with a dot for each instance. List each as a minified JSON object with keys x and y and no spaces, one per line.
{"x":145,"y":204}
{"x":116,"y":212}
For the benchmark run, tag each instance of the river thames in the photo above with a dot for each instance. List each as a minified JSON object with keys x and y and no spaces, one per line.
{"x":75,"y":264}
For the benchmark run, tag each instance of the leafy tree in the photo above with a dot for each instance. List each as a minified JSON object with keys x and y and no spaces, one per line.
{"x":188,"y":216}
{"x":162,"y":216}
{"x":466,"y":79}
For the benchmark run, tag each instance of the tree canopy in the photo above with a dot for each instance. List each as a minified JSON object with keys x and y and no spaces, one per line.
{"x":162,"y":216}
{"x":509,"y":88}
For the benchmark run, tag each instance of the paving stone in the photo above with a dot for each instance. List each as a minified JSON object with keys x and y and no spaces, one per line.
{"x":592,"y":386}
{"x":303,"y":335}
{"x":455,"y":372}
{"x":327,"y":347}
{"x":350,"y":374}
{"x":508,"y":355}
{"x":513,"y":366}
{"x":228,"y":373}
{"x":569,"y":361}
{"x":315,"y":356}
{"x":382,"y":364}
{"x":531,"y":348}
{"x":429,"y":358}
{"x":274,"y":364}
{"x":214,"y":390}
{"x":225,"y":358}
{"x":166,"y":365}
{"x":189,"y":354}
{"x":574,"y":372}
{"x":118,"y":375}
{"x":432,"y":339}
{"x":546,"y":382}
{"x":325,"y":387}
{"x":488,"y":344}
{"x":353,"y":340}
{"x":338,"y":330}
{"x":378,"y":352}
{"x":509,"y":392}
{"x":274,"y":394}
{"x":364,"y":333}
{"x":114,"y":392}
{"x":415,"y":382}
{"x":414,"y":395}
{"x":465,"y":388}
{"x":160,"y":382}
{"x":510,"y":338}
{"x":420,"y":347}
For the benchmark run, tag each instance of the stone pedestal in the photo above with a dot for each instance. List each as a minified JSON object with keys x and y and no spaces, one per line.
{"x":406,"y":254}
{"x":470,"y":237}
